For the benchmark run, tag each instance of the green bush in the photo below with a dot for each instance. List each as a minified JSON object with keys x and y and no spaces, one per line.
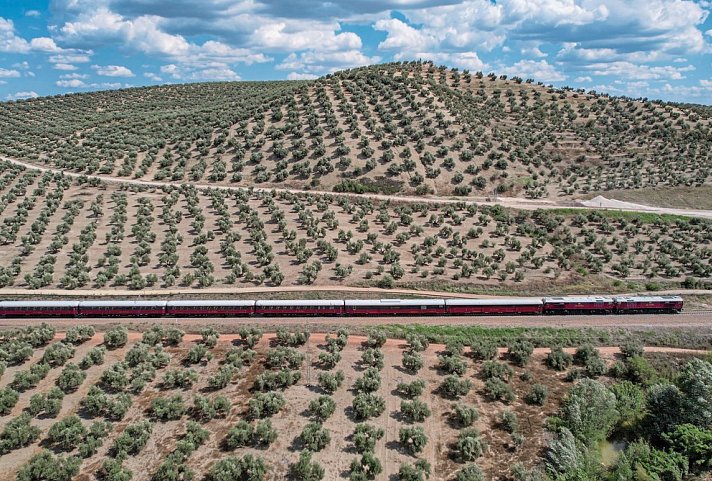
{"x":315,"y":437}
{"x":413,"y":439}
{"x":370,"y":381}
{"x":368,"y":405}
{"x":94,"y":357}
{"x":470,"y":444}
{"x":496,"y":370}
{"x":264,"y":405}
{"x":116,"y":337}
{"x":98,"y":431}
{"x":411,"y":389}
{"x":322,"y":407}
{"x":70,"y":378}
{"x":366,"y":467}
{"x":498,"y":390}
{"x":44,"y":466}
{"x":558,"y":359}
{"x":307,"y":470}
{"x":132,"y":440}
{"x":79,"y":334}
{"x":454,"y":387}
{"x":537,"y":395}
{"x":18,"y":433}
{"x":8,"y":399}
{"x":415,"y":411}
{"x":48,"y":404}
{"x":509,"y":421}
{"x":412,"y":361}
{"x":246,"y":468}
{"x":179,"y":378}
{"x":483,"y":350}
{"x":168,"y":408}
{"x":372,"y":357}
{"x":471,"y":472}
{"x":67,"y":434}
{"x":365,"y":437}
{"x":520,"y":351}
{"x":330,"y":382}
{"x":464,"y":415}
{"x":420,"y":471}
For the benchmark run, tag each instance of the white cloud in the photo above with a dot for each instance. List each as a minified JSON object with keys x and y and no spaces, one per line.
{"x":583,"y":79}
{"x":152,"y":76}
{"x":33,"y":13}
{"x":321,"y":62}
{"x":402,"y":36}
{"x":538,"y":70}
{"x":301,"y":76}
{"x":44,"y":44}
{"x":70,"y":58}
{"x":283,"y":36}
{"x":65,"y":66}
{"x":113,"y":71}
{"x":214,"y":72}
{"x":73,"y":75}
{"x":22,"y":95}
{"x":6,"y":73}
{"x":628,"y":70}
{"x":73,"y":83}
{"x":9,"y":42}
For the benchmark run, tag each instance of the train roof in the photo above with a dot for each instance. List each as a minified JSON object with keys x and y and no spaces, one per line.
{"x":394,"y":302}
{"x":122,"y":304}
{"x":649,"y":299}
{"x":284,"y":303}
{"x":211,"y":303}
{"x":39,"y":303}
{"x":555,"y":300}
{"x":515,"y":301}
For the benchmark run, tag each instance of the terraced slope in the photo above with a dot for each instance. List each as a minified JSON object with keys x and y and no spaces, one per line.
{"x":398,"y":128}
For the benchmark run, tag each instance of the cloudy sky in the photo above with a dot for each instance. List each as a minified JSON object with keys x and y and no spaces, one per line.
{"x":653,"y":48}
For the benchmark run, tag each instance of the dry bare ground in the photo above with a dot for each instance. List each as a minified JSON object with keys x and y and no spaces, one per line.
{"x":289,"y":422}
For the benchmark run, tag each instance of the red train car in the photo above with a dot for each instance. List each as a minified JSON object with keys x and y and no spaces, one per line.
{"x":39,"y":309}
{"x":641,"y":304}
{"x":579,"y":305}
{"x":523,"y":305}
{"x":299,"y":308}
{"x":394,"y":307}
{"x":210,"y":308}
{"x":122,"y":308}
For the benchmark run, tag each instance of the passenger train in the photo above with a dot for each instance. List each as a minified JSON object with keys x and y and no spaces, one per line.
{"x":345,"y":308}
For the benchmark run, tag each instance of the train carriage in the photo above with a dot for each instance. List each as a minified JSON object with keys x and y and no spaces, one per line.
{"x":215,"y":308}
{"x":515,"y":306}
{"x":299,"y":308}
{"x":579,"y":305}
{"x":394,"y":307}
{"x":122,"y":308}
{"x":642,"y":304}
{"x":39,"y":308}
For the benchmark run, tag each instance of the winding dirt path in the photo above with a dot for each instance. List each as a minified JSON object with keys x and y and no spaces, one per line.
{"x":510,"y":202}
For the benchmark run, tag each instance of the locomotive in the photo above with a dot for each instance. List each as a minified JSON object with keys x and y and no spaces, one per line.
{"x":347,"y":307}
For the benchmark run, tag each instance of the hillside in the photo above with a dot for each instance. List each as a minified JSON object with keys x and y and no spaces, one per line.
{"x":72,"y":234}
{"x":407,"y":128}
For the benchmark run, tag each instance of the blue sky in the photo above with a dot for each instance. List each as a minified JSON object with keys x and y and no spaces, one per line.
{"x":640,"y":48}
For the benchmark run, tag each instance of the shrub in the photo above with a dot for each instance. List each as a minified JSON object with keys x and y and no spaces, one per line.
{"x":470,"y":444}
{"x":173,"y":336}
{"x":307,"y":470}
{"x":414,"y":411}
{"x":284,"y":358}
{"x":264,"y":405}
{"x":329,"y":382}
{"x":595,"y":367}
{"x":246,"y":468}
{"x":205,"y":409}
{"x":132,"y":440}
{"x":315,"y":437}
{"x":694,"y":443}
{"x":98,"y":431}
{"x":168,"y":408}
{"x":483,"y":350}
{"x":589,"y":411}
{"x":198,"y":353}
{"x":322,"y":407}
{"x":520,"y":351}
{"x":537,"y":395}
{"x":372,"y":357}
{"x":293,"y":339}
{"x":30,"y":378}
{"x":250,"y":336}
{"x":464,"y":415}
{"x":365,"y":437}
{"x":366,"y":467}
{"x":18,"y":432}
{"x":8,"y":399}
{"x":411,"y":389}
{"x":94,"y":357}
{"x":239,"y":436}
{"x":368,"y":405}
{"x":116,"y":376}
{"x":413,"y":439}
{"x":79,"y":334}
{"x":209,"y":336}
{"x":412,"y":361}
{"x":471,"y":472}
{"x":270,"y":381}
{"x":116,"y":337}
{"x":182,"y":378}
{"x":454,"y":387}
{"x":376,"y":339}
{"x":70,"y":378}
{"x":329,"y":360}
{"x":370,"y":381}
{"x":632,"y":348}
{"x":416,"y":342}
{"x":509,"y":421}
{"x":496,"y":370}
{"x":558,"y":359}
{"x":48,"y":404}
{"x":420,"y":471}
{"x":264,"y":433}
{"x":498,"y":390}
{"x":67,"y":433}
{"x":44,"y":466}
{"x":112,"y":470}
{"x":452,"y":364}
{"x":584,"y":353}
